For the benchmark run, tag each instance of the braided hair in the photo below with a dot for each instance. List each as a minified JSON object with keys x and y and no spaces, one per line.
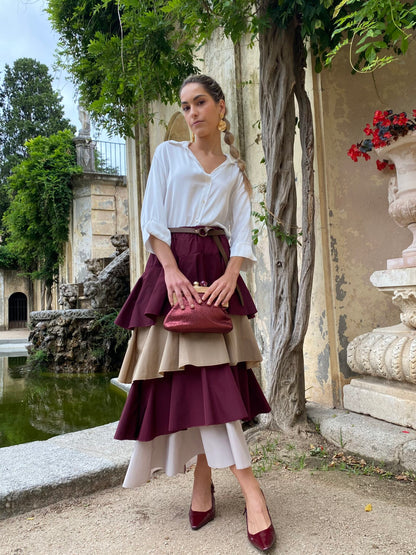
{"x":215,"y":91}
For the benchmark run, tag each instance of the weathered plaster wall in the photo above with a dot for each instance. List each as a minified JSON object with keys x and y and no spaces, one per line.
{"x":355,"y":235}
{"x":100,"y":210}
{"x":81,"y":230}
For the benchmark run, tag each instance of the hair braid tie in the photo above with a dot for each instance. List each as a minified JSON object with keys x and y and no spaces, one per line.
{"x":241,"y":164}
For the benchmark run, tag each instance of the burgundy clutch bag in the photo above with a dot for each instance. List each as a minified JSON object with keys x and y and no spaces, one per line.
{"x":201,"y":319}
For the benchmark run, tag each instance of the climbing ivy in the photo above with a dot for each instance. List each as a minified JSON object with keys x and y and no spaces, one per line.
{"x":266,"y":219}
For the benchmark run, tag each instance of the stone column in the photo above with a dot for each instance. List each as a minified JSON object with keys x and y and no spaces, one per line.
{"x":386,"y":357}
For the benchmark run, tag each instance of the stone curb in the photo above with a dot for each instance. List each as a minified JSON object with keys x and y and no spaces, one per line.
{"x":37,"y":474}
{"x":13,"y":351}
{"x":373,"y":439}
{"x":22,"y":342}
{"x":13,"y":347}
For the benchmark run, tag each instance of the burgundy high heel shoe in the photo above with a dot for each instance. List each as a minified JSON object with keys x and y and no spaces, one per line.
{"x":198,"y":519}
{"x":264,"y":539}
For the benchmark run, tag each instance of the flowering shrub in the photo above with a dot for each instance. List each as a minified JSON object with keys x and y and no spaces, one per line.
{"x":387,"y":127}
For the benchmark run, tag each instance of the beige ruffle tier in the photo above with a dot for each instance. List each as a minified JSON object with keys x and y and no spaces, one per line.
{"x":152,"y":351}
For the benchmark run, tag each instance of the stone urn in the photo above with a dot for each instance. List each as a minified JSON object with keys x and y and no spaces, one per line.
{"x":402,"y":192}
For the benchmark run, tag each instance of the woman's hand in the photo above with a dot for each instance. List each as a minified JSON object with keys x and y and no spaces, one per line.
{"x":175,"y":281}
{"x":221,"y":291}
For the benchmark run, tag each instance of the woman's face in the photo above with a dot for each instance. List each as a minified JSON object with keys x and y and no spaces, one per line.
{"x":201,"y":112}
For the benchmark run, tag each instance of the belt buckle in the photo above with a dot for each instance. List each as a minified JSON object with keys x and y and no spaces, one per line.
{"x":203,"y":231}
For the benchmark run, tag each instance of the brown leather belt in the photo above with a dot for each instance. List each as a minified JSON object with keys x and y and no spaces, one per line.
{"x":201,"y":231}
{"x":213,"y":232}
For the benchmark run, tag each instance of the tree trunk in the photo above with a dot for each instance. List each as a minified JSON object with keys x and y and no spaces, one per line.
{"x":308,"y":195}
{"x":281,"y":77}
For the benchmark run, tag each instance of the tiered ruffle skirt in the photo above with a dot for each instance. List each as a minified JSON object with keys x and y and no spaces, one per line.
{"x":189,"y":392}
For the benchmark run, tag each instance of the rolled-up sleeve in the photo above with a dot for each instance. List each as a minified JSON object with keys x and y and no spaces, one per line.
{"x":153,"y":215}
{"x":240,"y":240}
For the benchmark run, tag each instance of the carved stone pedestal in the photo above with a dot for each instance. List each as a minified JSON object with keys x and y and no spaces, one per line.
{"x":387,"y":356}
{"x":85,"y":149}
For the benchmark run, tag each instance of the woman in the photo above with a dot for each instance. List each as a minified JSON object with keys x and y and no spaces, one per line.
{"x":190,"y":392}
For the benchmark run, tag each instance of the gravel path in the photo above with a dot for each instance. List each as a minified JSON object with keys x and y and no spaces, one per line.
{"x":314,"y":512}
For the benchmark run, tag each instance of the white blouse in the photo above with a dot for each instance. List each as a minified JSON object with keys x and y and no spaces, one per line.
{"x":180,"y":193}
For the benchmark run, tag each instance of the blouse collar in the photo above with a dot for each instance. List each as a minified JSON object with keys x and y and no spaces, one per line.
{"x":228,"y":158}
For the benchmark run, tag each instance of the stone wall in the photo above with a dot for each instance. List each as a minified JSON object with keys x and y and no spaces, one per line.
{"x":82,"y":337}
{"x":77,"y":341}
{"x":100,"y":210}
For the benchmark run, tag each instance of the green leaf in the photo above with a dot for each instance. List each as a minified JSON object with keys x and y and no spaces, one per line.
{"x":370,"y":54}
{"x":338,"y":8}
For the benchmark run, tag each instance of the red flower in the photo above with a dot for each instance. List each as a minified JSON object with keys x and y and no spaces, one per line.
{"x":414,"y":113}
{"x":377,"y":142}
{"x":366,"y":156}
{"x":354,"y":153}
{"x":400,"y":119}
{"x":388,"y":135}
{"x":381,"y":164}
{"x":378,"y":116}
{"x":368,"y":130}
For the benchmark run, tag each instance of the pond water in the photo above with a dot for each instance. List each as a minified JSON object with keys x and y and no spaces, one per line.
{"x":39,"y":405}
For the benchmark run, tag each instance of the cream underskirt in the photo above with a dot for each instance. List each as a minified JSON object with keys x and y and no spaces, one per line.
{"x":224,"y":445}
{"x":152,"y":351}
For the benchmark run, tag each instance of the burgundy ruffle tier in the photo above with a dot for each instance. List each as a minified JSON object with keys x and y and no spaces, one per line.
{"x":199,"y":259}
{"x":193,"y":397}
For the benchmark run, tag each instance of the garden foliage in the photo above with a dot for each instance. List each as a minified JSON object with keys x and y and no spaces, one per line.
{"x":37,"y":221}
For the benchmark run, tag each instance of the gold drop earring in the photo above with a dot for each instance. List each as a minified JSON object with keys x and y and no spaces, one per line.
{"x":222,"y":126}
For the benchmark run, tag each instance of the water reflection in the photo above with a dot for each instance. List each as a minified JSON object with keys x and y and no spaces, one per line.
{"x":36,"y":406}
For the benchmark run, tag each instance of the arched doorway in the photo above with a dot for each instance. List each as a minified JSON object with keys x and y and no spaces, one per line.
{"x":177,"y":129}
{"x":17,"y":310}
